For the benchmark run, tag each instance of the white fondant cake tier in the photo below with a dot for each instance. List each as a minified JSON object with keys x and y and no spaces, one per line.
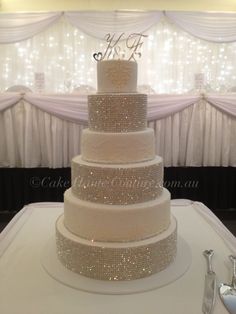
{"x":117,"y":112}
{"x":103,"y":147}
{"x":119,"y":260}
{"x":112,"y":223}
{"x":117,"y":183}
{"x":116,"y":76}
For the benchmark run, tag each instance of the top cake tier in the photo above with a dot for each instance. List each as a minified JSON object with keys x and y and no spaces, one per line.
{"x":116,"y":76}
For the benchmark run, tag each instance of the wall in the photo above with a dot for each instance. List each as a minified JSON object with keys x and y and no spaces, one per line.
{"x":60,"y":5}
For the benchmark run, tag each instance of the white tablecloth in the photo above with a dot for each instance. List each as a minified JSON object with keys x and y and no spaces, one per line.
{"x":26,"y":288}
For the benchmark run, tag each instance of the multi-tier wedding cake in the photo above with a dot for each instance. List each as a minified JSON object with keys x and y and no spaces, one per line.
{"x":117,"y":223}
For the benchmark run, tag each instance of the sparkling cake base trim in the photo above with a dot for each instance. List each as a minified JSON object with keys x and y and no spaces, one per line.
{"x":117,"y":184}
{"x":173,"y":272}
{"x":120,"y":261}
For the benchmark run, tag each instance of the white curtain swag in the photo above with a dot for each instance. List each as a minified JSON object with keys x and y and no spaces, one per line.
{"x":211,"y":26}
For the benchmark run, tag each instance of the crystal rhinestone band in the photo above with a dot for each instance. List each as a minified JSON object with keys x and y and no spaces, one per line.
{"x":117,"y":113}
{"x":117,"y":185}
{"x":94,"y":260}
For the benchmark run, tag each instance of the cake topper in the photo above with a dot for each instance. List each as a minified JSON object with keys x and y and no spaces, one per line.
{"x":114,"y":49}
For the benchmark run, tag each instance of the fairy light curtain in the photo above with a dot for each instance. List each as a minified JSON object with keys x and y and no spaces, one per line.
{"x":191,"y":129}
{"x":171,"y":56}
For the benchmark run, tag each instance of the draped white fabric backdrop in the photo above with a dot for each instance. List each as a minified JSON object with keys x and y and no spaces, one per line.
{"x":61,"y":46}
{"x":191,"y":130}
{"x":212,"y":26}
{"x":45,"y":130}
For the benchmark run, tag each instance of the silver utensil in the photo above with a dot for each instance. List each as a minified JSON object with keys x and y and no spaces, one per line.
{"x":228,"y":292}
{"x":210,"y":285}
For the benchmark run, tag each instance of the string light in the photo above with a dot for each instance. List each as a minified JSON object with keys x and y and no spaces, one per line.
{"x":170,"y":59}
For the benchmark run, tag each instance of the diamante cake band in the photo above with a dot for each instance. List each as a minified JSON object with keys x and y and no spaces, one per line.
{"x":117,"y":113}
{"x":128,"y":261}
{"x":117,"y":184}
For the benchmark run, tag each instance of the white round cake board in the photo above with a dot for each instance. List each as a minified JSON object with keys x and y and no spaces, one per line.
{"x":181,"y":202}
{"x":57,"y":271}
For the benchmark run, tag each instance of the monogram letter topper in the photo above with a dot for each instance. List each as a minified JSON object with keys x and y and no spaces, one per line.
{"x":119,"y":47}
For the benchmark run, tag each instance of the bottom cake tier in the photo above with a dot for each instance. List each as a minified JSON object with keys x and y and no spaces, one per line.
{"x":119,"y":260}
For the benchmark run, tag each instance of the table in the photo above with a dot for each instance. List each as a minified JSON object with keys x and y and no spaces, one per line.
{"x":44,"y":130}
{"x":26,"y":288}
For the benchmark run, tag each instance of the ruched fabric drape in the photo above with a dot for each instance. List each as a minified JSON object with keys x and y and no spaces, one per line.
{"x":97,"y":24}
{"x":45,"y":130}
{"x":15,"y":27}
{"x":211,"y":26}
